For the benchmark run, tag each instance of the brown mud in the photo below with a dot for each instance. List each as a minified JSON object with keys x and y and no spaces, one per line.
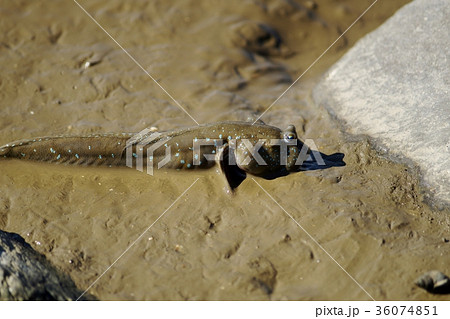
{"x":222,"y":60}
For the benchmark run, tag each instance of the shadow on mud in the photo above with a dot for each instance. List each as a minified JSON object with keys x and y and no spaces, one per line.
{"x":319,"y":160}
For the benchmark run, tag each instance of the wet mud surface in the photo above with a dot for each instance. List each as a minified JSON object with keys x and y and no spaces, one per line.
{"x":61,"y":74}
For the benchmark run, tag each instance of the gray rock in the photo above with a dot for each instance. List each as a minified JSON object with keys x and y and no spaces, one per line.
{"x":434,"y":281}
{"x":27,"y":275}
{"x":394,"y":86}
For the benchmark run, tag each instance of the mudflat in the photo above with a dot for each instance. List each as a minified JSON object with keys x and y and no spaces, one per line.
{"x":61,"y":74}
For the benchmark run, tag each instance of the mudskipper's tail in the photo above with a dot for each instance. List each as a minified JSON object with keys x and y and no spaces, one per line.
{"x":4,"y":150}
{"x":101,"y":149}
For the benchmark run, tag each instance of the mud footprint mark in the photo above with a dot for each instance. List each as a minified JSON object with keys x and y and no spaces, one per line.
{"x":257,"y":38}
{"x":54,"y":36}
{"x":211,"y":224}
{"x":265,"y":274}
{"x":230,"y":252}
{"x":5,"y":204}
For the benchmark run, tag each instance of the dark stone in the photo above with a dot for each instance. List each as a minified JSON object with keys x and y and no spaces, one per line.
{"x":27,"y":275}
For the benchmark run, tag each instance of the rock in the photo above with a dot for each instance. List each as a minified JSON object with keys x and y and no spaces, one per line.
{"x":27,"y":275}
{"x":435,"y":282}
{"x":394,"y":85}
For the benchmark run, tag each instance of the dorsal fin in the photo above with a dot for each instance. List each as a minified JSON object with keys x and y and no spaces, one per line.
{"x":251,"y":119}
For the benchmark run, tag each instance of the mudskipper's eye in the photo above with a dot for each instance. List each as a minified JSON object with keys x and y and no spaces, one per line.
{"x":289,"y":136}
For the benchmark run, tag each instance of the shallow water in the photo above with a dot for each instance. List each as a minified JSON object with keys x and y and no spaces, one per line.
{"x":212,"y":58}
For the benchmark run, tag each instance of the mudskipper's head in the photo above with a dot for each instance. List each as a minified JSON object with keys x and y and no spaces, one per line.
{"x":296,"y":150}
{"x":278,"y":154}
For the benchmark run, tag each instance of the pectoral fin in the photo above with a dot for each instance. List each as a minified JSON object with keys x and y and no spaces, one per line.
{"x":227,"y":162}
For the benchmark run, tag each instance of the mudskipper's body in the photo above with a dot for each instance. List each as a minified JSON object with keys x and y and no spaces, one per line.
{"x":229,"y":143}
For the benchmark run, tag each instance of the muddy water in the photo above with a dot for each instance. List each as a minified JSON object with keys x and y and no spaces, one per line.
{"x":61,"y":74}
